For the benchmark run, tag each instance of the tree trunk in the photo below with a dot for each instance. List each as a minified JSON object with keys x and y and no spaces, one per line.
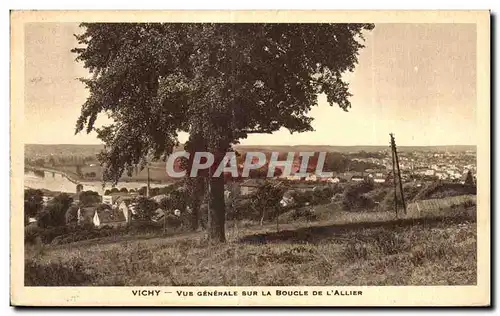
{"x":195,"y":218}
{"x":277,"y":220}
{"x":216,"y":210}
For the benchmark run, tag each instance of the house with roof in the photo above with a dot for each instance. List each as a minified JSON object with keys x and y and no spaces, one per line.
{"x":158,"y":215}
{"x":128,"y":208}
{"x":85,"y":215}
{"x":357,"y":178}
{"x":160,"y":197}
{"x":311,"y":177}
{"x":333,"y":180}
{"x":108,"y":217}
{"x":116,"y":198}
{"x":250,"y":186}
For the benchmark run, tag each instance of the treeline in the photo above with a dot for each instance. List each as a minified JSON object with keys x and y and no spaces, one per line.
{"x":57,"y":160}
{"x":143,"y":190}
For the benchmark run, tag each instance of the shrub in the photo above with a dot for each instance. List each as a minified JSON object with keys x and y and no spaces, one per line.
{"x":302,"y":213}
{"x":322,"y":194}
{"x":303,"y":198}
{"x":31,"y":233}
{"x":410,"y":192}
{"x":440,"y":189}
{"x":355,"y":196}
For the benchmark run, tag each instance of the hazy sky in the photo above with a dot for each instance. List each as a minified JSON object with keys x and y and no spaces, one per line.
{"x":415,"y":80}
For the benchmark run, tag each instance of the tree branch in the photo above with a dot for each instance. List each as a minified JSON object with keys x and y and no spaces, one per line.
{"x":256,"y":131}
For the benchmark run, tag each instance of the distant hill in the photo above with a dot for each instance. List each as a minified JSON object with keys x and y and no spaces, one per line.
{"x":347,"y":149}
{"x":32,"y":150}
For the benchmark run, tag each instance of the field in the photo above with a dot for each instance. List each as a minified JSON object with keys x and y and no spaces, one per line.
{"x":435,"y":247}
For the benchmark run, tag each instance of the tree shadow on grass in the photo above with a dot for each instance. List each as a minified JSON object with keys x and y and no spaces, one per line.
{"x":315,"y":234}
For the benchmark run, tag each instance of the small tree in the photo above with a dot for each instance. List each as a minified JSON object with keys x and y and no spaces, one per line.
{"x":89,"y":198}
{"x":354,"y":196}
{"x":55,"y":213}
{"x":268,"y":197}
{"x":145,"y":209}
{"x":79,"y":170}
{"x":79,"y":188}
{"x":177,"y":199}
{"x":469,"y":180}
{"x":142,"y":190}
{"x":72,"y":215}
{"x":33,"y":202}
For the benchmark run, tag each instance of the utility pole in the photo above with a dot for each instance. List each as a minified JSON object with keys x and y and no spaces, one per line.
{"x":395,"y":163}
{"x":147,"y":188}
{"x":394,"y":181}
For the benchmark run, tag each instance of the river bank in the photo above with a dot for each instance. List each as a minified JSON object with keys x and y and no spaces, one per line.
{"x":54,"y":180}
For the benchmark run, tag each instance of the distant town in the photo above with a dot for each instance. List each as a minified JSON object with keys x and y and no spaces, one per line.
{"x":416,"y":167}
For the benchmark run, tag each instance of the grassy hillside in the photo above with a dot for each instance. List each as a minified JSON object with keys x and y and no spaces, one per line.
{"x":345,"y":248}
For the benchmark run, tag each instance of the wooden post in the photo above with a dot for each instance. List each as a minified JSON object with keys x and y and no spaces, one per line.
{"x":164,"y":222}
{"x":394,"y":181}
{"x":147,"y":189}
{"x":400,"y":181}
{"x":395,"y":162}
{"x":277,"y":219}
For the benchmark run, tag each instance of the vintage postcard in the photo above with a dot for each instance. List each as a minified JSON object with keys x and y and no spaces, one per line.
{"x":250,"y":158}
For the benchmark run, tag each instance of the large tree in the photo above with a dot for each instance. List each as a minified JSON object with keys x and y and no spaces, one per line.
{"x":220,"y":82}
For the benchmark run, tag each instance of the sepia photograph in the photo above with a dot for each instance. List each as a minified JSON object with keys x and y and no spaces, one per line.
{"x":250,"y":159}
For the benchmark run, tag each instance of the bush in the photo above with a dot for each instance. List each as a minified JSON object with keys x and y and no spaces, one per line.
{"x":303,"y":198}
{"x":31,"y":234}
{"x":440,"y":189}
{"x":322,"y":195}
{"x":355,"y":196}
{"x":303,"y":213}
{"x":410,"y":192}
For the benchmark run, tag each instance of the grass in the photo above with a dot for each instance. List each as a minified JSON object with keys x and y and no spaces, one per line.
{"x":342,"y":248}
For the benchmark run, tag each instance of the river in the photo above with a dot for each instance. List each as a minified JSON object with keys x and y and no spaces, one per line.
{"x":54,"y":181}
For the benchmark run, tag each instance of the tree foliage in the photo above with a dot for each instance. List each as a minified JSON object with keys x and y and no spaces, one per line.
{"x":54,"y":214}
{"x":33,"y":202}
{"x":469,"y":180}
{"x":145,"y":209}
{"x":218,"y":81}
{"x":88,"y":198}
{"x":266,"y":200}
{"x":355,"y":197}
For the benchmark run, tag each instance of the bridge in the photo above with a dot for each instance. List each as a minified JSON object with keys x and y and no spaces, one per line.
{"x":46,"y":170}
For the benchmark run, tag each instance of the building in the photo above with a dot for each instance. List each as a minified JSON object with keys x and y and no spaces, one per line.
{"x":333,"y":180}
{"x":357,"y":178}
{"x":311,"y":177}
{"x":108,"y":217}
{"x":250,"y":186}
{"x":115,"y":198}
{"x":46,"y":199}
{"x":86,"y":215}
{"x":127,"y":208}
{"x":159,"y":215}
{"x":107,"y":199}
